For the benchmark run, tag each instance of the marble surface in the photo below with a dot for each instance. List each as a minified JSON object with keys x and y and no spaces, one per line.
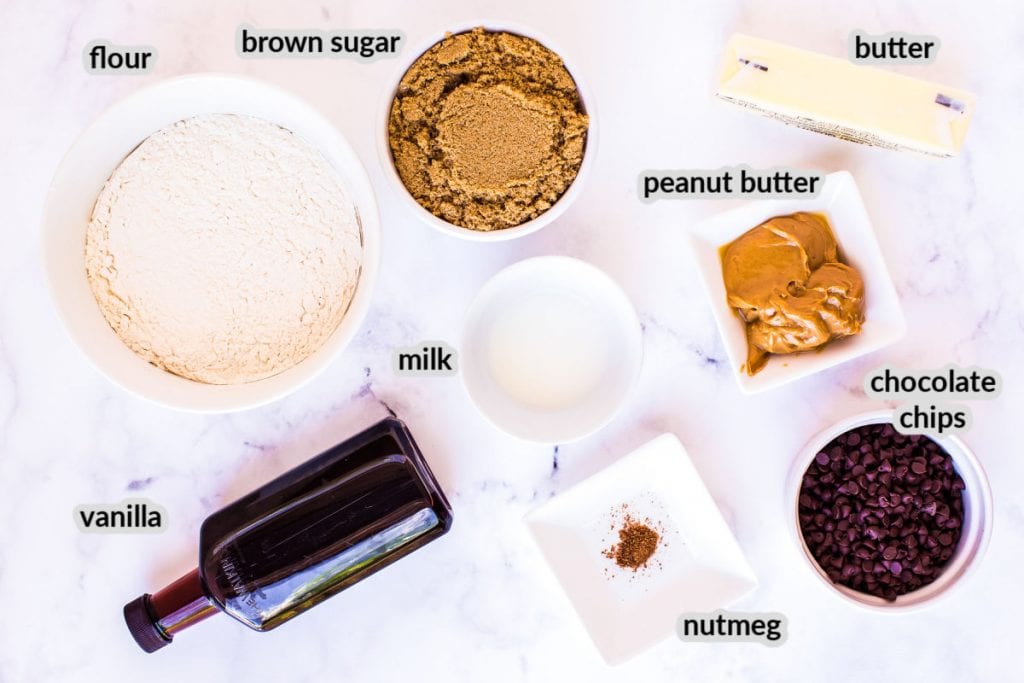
{"x":479,"y":604}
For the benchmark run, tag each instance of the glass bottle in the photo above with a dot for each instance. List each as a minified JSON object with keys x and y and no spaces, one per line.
{"x":303,"y":537}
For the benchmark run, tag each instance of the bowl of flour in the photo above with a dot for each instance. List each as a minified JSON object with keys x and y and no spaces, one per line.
{"x":211,"y":243}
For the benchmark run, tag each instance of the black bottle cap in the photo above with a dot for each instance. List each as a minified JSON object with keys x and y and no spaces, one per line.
{"x":138,"y":614}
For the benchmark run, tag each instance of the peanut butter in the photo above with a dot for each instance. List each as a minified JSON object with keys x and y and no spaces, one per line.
{"x":786,"y":282}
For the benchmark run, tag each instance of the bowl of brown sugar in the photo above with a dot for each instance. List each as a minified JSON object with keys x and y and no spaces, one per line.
{"x":487,"y":134}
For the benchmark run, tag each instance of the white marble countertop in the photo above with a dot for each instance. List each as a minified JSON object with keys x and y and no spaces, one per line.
{"x":479,"y":604}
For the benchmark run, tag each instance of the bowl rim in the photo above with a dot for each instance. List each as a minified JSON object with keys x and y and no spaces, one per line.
{"x":973,"y":545}
{"x":636,"y":352}
{"x":386,"y":160}
{"x":314,"y":364}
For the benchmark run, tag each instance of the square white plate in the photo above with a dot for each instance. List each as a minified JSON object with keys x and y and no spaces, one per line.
{"x":698,"y":565}
{"x":840,"y":201}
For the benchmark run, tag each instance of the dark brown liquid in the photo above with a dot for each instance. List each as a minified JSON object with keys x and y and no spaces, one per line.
{"x":321,"y":527}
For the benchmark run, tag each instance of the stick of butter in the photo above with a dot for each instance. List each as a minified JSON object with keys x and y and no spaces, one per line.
{"x":844,"y":100}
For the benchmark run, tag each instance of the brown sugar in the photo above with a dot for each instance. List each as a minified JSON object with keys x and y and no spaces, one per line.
{"x":487,"y":129}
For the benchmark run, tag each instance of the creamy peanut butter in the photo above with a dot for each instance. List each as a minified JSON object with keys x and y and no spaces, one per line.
{"x":786,"y":282}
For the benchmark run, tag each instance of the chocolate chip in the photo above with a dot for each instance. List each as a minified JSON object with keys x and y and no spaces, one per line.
{"x":881,"y":512}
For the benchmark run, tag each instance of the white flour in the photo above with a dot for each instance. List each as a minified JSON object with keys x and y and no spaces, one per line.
{"x":224,"y":249}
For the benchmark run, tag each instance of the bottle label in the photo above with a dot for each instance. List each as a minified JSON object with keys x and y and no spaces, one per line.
{"x":130,"y":516}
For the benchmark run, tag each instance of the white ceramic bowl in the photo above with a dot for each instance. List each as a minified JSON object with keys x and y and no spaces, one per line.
{"x":974,"y":536}
{"x":94,"y":157}
{"x":840,"y":201}
{"x":550,"y":349}
{"x":559,"y":207}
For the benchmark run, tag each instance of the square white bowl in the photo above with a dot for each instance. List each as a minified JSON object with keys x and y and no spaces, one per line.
{"x":698,"y":566}
{"x":840,"y":201}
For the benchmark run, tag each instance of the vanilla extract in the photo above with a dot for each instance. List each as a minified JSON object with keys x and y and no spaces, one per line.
{"x":303,"y":537}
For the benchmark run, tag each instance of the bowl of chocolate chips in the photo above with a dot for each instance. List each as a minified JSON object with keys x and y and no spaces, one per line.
{"x":890,"y":521}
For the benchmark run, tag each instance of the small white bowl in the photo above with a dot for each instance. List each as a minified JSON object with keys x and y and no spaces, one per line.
{"x":88,"y":165}
{"x":550,"y":350}
{"x":568,"y":197}
{"x":977,"y":525}
{"x":840,"y":201}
